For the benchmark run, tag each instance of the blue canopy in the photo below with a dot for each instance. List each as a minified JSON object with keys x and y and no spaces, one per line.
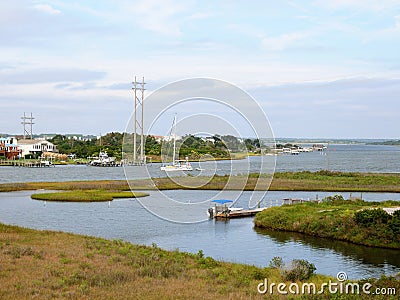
{"x":222,"y":201}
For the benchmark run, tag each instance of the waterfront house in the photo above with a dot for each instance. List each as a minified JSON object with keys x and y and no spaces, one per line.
{"x":9,"y":148}
{"x":2,"y":148}
{"x":35,"y":147}
{"x":158,"y":138}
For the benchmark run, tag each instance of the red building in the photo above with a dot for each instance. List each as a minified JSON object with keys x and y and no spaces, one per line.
{"x":8,"y":149}
{"x":2,"y":149}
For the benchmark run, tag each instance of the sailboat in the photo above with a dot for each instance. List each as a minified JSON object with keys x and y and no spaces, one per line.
{"x":176,"y":165}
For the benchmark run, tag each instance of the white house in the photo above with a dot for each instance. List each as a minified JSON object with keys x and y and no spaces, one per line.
{"x":36,"y":146}
{"x":8,"y":140}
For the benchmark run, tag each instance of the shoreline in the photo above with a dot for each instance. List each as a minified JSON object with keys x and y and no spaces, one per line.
{"x":53,"y":264}
{"x":88,"y":267}
{"x":324,"y":181}
{"x":83,"y":161}
{"x":86,"y":195}
{"x":353,"y":221}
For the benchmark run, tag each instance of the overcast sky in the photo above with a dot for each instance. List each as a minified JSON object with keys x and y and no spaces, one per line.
{"x":322,"y":69}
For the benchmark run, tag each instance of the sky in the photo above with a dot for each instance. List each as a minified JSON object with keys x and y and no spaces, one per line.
{"x":318,"y":69}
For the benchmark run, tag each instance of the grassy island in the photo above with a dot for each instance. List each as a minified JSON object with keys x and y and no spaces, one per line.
{"x":286,"y":181}
{"x":87,"y":195}
{"x":336,"y":181}
{"x":360,"y":222}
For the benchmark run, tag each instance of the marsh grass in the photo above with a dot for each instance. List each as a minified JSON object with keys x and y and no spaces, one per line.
{"x":87,"y":195}
{"x":336,"y":181}
{"x":333,"y":220}
{"x":287,"y":181}
{"x":80,"y":267}
{"x":114,"y":185}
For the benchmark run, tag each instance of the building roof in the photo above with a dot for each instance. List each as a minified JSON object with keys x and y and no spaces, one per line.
{"x":27,"y":142}
{"x":32,"y":142}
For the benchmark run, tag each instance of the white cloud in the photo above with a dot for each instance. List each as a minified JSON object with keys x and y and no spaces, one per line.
{"x":275,"y":43}
{"x":388,"y":33}
{"x":348,"y":107}
{"x":162,"y":17}
{"x":397,"y":22}
{"x":201,"y":16}
{"x":79,"y":52}
{"x":369,"y":5}
{"x":285,"y":41}
{"x":49,"y":75}
{"x":46,"y":8}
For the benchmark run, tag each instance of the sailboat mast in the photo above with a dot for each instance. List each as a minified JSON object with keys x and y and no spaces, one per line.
{"x":174,"y":135}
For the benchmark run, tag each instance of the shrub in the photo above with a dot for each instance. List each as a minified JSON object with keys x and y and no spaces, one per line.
{"x":300,"y":269}
{"x":368,"y":217}
{"x":276,"y":262}
{"x":394,"y":223}
{"x":331,"y":173}
{"x":335,"y":198}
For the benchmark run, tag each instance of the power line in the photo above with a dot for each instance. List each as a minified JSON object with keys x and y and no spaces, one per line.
{"x":27,"y":121}
{"x":138,"y":150}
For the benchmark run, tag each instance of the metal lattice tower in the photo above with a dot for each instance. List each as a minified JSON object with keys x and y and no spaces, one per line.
{"x":29,"y":122}
{"x":138,"y":150}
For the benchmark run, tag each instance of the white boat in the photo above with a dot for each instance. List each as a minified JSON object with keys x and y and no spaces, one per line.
{"x":102,"y":159}
{"x":295,"y":152}
{"x":319,"y":147}
{"x":176,"y":165}
{"x":222,"y":206}
{"x":46,"y":163}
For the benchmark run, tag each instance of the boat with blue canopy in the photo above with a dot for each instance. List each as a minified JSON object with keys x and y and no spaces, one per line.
{"x":221,"y":206}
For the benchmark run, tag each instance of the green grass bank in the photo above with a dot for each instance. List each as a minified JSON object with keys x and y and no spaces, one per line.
{"x":87,"y":195}
{"x":53,"y":265}
{"x":359,"y":222}
{"x":287,"y":181}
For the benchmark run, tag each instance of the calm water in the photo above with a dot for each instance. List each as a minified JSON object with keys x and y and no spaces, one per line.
{"x":235,"y":240}
{"x":348,"y":158}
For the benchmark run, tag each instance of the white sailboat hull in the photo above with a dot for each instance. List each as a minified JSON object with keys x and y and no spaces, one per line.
{"x":176,"y":168}
{"x":176,"y":165}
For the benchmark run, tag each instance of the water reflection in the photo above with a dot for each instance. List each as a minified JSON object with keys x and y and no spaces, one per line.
{"x":235,"y":240}
{"x":377,"y":257}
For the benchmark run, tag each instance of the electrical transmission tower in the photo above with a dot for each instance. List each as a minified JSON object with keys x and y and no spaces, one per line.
{"x":27,"y":121}
{"x":138,"y":150}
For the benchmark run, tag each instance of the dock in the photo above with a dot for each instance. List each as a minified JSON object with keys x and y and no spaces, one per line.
{"x":111,"y":164}
{"x":239,"y":213}
{"x":26,"y":164}
{"x":291,"y":201}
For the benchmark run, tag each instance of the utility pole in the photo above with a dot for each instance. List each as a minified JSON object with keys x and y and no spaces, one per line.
{"x":142,"y":159}
{"x":138,"y":88}
{"x":29,"y":122}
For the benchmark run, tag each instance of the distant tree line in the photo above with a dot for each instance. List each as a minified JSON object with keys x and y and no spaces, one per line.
{"x":287,"y":145}
{"x":189,"y":145}
{"x":390,"y":143}
{"x":111,"y":142}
